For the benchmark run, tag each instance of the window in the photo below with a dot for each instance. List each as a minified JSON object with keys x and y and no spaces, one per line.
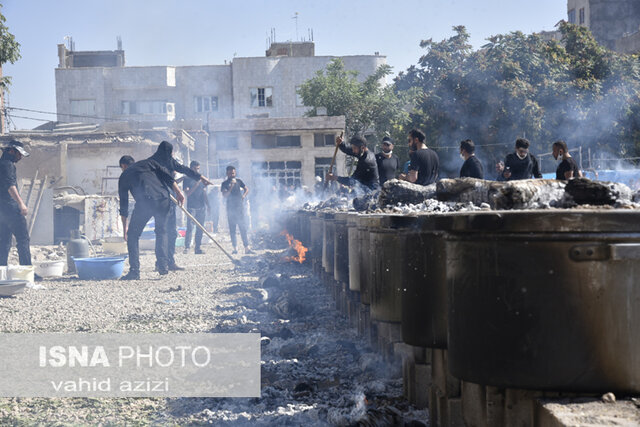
{"x":219,"y":169}
{"x":226,"y":142}
{"x":279,"y":173}
{"x":83,"y":107}
{"x":205,"y":104}
{"x":322,"y":166}
{"x":288,"y":141}
{"x":299,"y":101}
{"x":581,"y":16}
{"x":261,"y":96}
{"x":145,"y":107}
{"x":324,"y":140}
{"x":572,"y":16}
{"x":265,"y":141}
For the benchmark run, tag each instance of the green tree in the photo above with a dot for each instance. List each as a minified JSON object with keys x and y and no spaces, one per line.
{"x":9,"y":50}
{"x":521,"y":85}
{"x":370,"y":107}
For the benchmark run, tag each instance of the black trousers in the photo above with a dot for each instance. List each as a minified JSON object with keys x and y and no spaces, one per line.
{"x":199,"y":215}
{"x":172,"y":235}
{"x":142,"y":213}
{"x":237,"y":218}
{"x":12,"y":223}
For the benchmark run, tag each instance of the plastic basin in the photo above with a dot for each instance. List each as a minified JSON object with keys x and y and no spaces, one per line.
{"x":49,"y":268}
{"x":20,"y":272}
{"x":12,"y":287}
{"x":101,"y":268}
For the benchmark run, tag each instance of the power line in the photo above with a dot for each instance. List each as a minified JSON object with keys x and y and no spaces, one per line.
{"x":61,"y":114}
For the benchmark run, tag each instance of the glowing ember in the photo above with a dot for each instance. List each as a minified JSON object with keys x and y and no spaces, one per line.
{"x":295,"y":247}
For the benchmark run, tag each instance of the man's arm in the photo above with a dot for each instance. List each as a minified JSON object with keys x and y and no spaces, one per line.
{"x":179,"y":195}
{"x":246,"y":191}
{"x":536,"y":168}
{"x":13,"y":192}
{"x":123,"y":195}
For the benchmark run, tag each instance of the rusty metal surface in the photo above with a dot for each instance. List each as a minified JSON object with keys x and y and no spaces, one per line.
{"x":341,"y":250}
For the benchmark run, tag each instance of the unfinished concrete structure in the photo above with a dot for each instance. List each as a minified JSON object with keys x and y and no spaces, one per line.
{"x":249,"y":107}
{"x":79,"y":161}
{"x":614,"y":23}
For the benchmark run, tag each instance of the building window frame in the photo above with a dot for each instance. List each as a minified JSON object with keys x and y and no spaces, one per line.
{"x":581,"y":16}
{"x":571,"y":16}
{"x":261,"y":97}
{"x":205,"y":103}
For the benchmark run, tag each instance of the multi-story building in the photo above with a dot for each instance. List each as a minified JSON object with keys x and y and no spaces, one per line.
{"x":615,"y":24}
{"x":250,"y":107}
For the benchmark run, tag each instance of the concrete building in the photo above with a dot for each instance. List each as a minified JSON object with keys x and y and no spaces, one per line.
{"x":249,"y":107}
{"x":613,"y":23}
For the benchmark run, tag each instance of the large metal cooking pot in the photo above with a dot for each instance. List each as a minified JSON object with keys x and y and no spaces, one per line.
{"x":327,"y":242}
{"x":341,"y":248}
{"x":365,"y":224}
{"x":303,"y":227}
{"x":424,"y":300}
{"x":388,"y":281}
{"x":546,"y":300}
{"x":316,"y":231}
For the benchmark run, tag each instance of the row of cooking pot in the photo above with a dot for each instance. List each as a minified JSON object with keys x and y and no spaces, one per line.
{"x":544,"y":300}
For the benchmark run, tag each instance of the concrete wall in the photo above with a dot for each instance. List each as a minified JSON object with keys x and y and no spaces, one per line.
{"x":577,"y":5}
{"x":81,"y":84}
{"x":610,"y":20}
{"x":283,"y":75}
{"x":207,"y":80}
{"x":629,"y":44}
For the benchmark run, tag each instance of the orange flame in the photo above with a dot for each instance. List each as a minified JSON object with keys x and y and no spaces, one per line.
{"x":297,"y":246}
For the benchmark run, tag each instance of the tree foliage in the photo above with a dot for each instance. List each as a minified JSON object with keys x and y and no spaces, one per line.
{"x":521,"y":85}
{"x":369,"y":106}
{"x":9,"y":50}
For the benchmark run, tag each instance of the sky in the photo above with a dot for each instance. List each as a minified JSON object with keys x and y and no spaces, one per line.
{"x":199,"y":32}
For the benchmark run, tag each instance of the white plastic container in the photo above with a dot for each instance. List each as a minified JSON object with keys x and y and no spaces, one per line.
{"x":49,"y":268}
{"x":3,"y":272}
{"x":21,"y":272}
{"x":12,"y":287}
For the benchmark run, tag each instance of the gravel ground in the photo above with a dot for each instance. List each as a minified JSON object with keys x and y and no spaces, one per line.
{"x":316,"y":370}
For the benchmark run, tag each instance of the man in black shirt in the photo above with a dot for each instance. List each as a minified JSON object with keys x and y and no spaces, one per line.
{"x":197,"y":204}
{"x":235,"y":191}
{"x":366,"y":174}
{"x":388,"y":163}
{"x":164,"y":156}
{"x":13,"y":211}
{"x":471,"y":167}
{"x":149,"y":184}
{"x":520,"y":164}
{"x":424,"y":166}
{"x":568,"y":168}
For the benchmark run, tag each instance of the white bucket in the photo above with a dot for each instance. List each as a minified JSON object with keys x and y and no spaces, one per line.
{"x":3,"y":272}
{"x":49,"y":268}
{"x":20,"y":272}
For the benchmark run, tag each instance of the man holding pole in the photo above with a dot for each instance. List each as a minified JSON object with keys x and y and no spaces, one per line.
{"x":149,"y":183}
{"x":366,"y":174}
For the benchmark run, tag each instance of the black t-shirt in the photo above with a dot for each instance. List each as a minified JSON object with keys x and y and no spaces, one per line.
{"x":195,"y":200}
{"x":472,"y":168}
{"x":526,"y":168}
{"x":426,"y":162}
{"x":387,"y":167}
{"x":7,"y":180}
{"x":234,"y":199}
{"x":567,"y":165}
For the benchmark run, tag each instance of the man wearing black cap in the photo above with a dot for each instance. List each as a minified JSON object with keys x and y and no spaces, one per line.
{"x":387,"y":162}
{"x":366,"y":173}
{"x":13,"y":211}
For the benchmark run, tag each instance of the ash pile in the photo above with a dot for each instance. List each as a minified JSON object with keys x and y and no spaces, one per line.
{"x":470,"y":194}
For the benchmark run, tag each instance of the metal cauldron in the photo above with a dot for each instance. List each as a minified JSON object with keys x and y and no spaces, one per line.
{"x":316,"y":231}
{"x":388,"y":282}
{"x":365,"y":223}
{"x":341,"y":248}
{"x":327,"y":242}
{"x":424,"y":300}
{"x":546,"y":300}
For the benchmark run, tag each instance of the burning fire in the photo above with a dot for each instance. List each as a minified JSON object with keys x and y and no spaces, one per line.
{"x":295,"y":246}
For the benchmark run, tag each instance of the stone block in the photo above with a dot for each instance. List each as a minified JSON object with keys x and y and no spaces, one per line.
{"x":495,"y":398}
{"x":446,"y":383}
{"x":423,"y":385}
{"x":520,"y":407}
{"x":474,"y":404}
{"x":454,"y":412}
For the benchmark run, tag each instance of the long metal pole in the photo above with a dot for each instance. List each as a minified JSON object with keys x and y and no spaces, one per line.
{"x":173,"y":199}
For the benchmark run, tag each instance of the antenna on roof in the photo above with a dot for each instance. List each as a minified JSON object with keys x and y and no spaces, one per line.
{"x":295,"y":16}
{"x":119,"y":42}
